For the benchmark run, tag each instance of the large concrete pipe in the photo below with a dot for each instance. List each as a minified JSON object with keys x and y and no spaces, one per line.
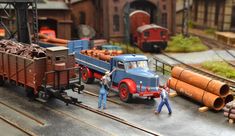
{"x":208,"y":99}
{"x":200,"y":81}
{"x":228,"y":98}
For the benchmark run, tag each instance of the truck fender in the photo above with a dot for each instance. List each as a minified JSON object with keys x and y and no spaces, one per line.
{"x":89,"y":72}
{"x":131,"y":85}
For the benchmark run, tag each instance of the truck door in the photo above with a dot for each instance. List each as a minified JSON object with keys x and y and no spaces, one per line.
{"x":119,"y":73}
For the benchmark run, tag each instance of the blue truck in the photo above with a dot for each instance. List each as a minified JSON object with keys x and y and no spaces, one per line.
{"x":130,"y":77}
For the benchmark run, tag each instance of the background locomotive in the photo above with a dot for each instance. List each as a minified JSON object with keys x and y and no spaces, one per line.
{"x":146,"y":36}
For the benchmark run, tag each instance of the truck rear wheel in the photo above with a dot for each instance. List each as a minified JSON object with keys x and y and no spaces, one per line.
{"x":124,"y":93}
{"x":85,"y":78}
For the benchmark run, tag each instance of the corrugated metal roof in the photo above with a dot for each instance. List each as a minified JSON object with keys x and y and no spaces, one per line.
{"x":146,"y":27}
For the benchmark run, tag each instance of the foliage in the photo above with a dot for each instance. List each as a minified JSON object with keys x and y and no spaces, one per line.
{"x":179,"y":43}
{"x":210,"y":31}
{"x":220,"y":68}
{"x":191,"y":24}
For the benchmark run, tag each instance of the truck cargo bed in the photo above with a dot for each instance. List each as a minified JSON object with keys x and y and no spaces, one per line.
{"x":92,"y":63}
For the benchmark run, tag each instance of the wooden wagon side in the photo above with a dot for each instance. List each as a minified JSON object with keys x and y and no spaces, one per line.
{"x":23,"y":71}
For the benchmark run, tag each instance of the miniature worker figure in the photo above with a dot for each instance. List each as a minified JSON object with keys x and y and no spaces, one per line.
{"x":107,"y":80}
{"x":164,"y":98}
{"x":105,"y":86}
{"x":102,"y":95}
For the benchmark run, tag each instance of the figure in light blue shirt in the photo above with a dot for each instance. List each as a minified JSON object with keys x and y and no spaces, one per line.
{"x":102,"y":96}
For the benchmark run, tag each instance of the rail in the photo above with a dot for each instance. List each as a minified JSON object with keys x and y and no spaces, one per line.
{"x":164,"y":67}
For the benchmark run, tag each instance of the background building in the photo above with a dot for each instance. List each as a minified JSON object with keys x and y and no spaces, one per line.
{"x":110,"y":17}
{"x":55,"y":15}
{"x":217,"y":14}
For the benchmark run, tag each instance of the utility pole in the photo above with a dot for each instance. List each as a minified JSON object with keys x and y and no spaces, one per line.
{"x":185,"y":19}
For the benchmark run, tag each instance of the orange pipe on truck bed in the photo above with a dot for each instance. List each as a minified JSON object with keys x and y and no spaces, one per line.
{"x":200,"y":81}
{"x":208,"y":99}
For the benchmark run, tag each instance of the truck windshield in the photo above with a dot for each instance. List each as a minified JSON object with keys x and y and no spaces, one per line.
{"x":137,"y":64}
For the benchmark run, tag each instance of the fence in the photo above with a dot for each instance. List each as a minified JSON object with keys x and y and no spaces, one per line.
{"x":162,"y":66}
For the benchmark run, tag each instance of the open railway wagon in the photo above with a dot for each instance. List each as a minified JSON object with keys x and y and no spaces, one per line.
{"x":42,"y":72}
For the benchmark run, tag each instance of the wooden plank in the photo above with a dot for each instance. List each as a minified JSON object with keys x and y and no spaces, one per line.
{"x":231,"y":121}
{"x":203,"y":109}
{"x":173,"y":94}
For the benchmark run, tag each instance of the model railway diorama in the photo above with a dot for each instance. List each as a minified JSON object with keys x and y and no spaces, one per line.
{"x":47,"y":67}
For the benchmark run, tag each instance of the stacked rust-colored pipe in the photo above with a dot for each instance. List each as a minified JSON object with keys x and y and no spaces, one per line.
{"x":212,"y":93}
{"x":28,"y":51}
{"x":104,"y":55}
{"x":46,"y":39}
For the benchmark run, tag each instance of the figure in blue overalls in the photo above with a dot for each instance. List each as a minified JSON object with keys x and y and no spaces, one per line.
{"x":164,"y":98}
{"x":102,"y":96}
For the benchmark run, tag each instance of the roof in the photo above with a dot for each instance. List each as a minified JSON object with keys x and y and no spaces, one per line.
{"x":146,"y":27}
{"x":52,"y":5}
{"x":75,"y":1}
{"x":139,"y":11}
{"x":47,"y":5}
{"x":130,"y":57}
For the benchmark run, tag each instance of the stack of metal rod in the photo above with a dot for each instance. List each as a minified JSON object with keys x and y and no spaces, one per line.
{"x":211,"y":93}
{"x":28,"y":51}
{"x":229,"y":110}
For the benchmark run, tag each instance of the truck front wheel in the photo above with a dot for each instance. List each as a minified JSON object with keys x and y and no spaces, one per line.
{"x":85,"y":77}
{"x":124,"y":93}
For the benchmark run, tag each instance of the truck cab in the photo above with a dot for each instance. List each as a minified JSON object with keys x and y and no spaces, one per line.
{"x":132,"y":76}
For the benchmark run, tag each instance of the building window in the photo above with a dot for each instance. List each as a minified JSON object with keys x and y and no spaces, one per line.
{"x":82,"y":19}
{"x":164,"y":7}
{"x":116,"y":24}
{"x":233,"y":18}
{"x":206,"y":10}
{"x":196,"y":10}
{"x":164,"y":19}
{"x":217,"y":11}
{"x":116,"y":9}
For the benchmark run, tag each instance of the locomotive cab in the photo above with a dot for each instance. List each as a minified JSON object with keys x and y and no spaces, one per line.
{"x":151,"y":37}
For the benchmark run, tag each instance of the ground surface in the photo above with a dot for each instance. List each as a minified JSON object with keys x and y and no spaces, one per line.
{"x":61,"y":120}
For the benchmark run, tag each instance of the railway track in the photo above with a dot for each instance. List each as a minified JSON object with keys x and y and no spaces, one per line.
{"x":96,"y":95}
{"x":230,"y":82}
{"x":17,"y":126}
{"x":41,"y":123}
{"x":213,"y":45}
{"x":115,"y":118}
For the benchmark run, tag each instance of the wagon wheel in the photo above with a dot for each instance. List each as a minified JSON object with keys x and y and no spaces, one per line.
{"x":124,"y":93}
{"x":30,"y":93}
{"x":85,"y":77}
{"x":1,"y":81}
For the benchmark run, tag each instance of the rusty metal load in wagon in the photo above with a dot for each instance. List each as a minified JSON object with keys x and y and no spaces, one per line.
{"x":24,"y":50}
